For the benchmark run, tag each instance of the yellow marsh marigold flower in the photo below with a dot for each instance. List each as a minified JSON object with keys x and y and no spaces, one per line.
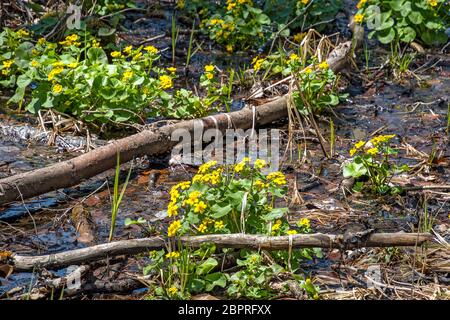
{"x":165,"y":82}
{"x":23,"y":33}
{"x":323,"y":65}
{"x":199,"y":207}
{"x":172,"y":69}
{"x":116,"y":54}
{"x":73,"y":65}
{"x":432,"y":3}
{"x":127,"y":75}
{"x":291,"y":232}
{"x":257,"y":63}
{"x":361,"y":3}
{"x":206,"y":166}
{"x":218,"y":225}
{"x":239,"y":167}
{"x":305,"y":223}
{"x":293,"y":58}
{"x":173,"y":228}
{"x":137,"y":56}
{"x":372,"y":151}
{"x":209,"y":76}
{"x":95,"y":44}
{"x":276,"y":226}
{"x":304,"y":1}
{"x":308,"y":70}
{"x":260,"y":163}
{"x":151,"y":49}
{"x":259,"y":184}
{"x":352,"y":152}
{"x":54,"y":72}
{"x":7,"y":63}
{"x":229,"y":48}
{"x":209,"y":68}
{"x":359,"y":144}
{"x":173,"y":254}
{"x":41,"y":41}
{"x":172,"y":291}
{"x":381,"y":139}
{"x":34,"y":63}
{"x":5,"y":72}
{"x":359,"y":18}
{"x":172,"y":210}
{"x":202,"y":227}
{"x":57,"y":88}
{"x":299,"y":37}
{"x":277,"y":177}
{"x":128,"y":49}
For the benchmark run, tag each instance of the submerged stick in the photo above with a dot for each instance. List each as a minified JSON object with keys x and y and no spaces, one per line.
{"x":317,"y":240}
{"x":72,"y":172}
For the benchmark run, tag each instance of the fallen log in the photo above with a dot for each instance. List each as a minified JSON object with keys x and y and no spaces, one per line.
{"x":72,"y":172}
{"x":135,"y":246}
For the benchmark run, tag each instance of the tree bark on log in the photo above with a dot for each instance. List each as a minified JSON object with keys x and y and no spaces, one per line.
{"x":317,"y":240}
{"x":72,"y":172}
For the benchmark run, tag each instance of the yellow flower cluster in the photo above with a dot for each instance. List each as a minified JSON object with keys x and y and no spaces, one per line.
{"x":151,"y":49}
{"x":193,"y":198}
{"x":432,"y":3}
{"x":116,"y":54}
{"x":165,"y":82}
{"x":361,"y":4}
{"x":172,"y":208}
{"x":128,"y":49}
{"x":204,"y":168}
{"x":260,"y":163}
{"x":55,"y":71}
{"x":172,"y":290}
{"x":57,"y":88}
{"x":127,"y":75}
{"x":209,"y":71}
{"x":95,"y":44}
{"x":277,"y":177}
{"x":307,"y":70}
{"x":218,"y":225}
{"x":23,"y":33}
{"x":213,"y":177}
{"x":173,"y":254}
{"x":293,"y":58}
{"x":231,"y":4}
{"x":204,"y":225}
{"x":323,"y":65}
{"x":70,"y":40}
{"x":259,"y":184}
{"x":305,"y":223}
{"x":276,"y":226}
{"x":381,"y":139}
{"x":173,"y":228}
{"x":257,"y":63}
{"x":41,"y":41}
{"x":6,"y":65}
{"x":356,"y":147}
{"x":359,"y":18}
